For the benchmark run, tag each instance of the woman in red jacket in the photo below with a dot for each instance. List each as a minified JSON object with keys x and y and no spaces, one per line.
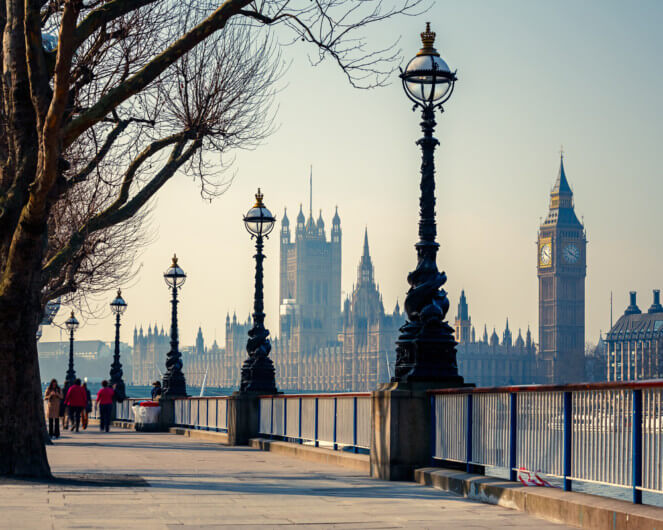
{"x":76,"y":400}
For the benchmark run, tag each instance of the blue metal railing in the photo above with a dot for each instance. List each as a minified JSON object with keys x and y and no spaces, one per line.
{"x":202,"y":413}
{"x":604,"y":433}
{"x":336,"y":421}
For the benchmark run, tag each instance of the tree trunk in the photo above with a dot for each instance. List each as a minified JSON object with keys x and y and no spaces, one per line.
{"x":22,"y":448}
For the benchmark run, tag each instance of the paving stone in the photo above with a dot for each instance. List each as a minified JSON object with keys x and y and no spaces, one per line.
{"x":153,"y":480}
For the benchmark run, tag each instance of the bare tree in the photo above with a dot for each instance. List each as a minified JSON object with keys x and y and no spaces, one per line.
{"x":104,"y":101}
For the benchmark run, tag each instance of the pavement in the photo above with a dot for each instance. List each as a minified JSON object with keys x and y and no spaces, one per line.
{"x":125,"y":479}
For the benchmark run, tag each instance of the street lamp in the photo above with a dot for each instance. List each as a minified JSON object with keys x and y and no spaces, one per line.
{"x":174,"y":384}
{"x":118,"y":307}
{"x":426,"y":349}
{"x":72,"y":325}
{"x":258,"y":369}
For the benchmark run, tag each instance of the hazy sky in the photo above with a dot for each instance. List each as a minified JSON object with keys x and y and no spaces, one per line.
{"x":532,"y":75}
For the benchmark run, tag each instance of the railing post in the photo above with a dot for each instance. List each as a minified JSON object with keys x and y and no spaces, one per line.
{"x":513,"y":437}
{"x":433,"y":428}
{"x":198,"y":414}
{"x":335,"y":410}
{"x":568,"y":439}
{"x":190,"y":423}
{"x":354,"y":425}
{"x":207,"y":415}
{"x":637,"y":446}
{"x":468,"y":439}
{"x":226,"y":427}
{"x":301,"y":441}
{"x":285,"y":418}
{"x":271,"y":420}
{"x":216,"y":421}
{"x":317,"y":444}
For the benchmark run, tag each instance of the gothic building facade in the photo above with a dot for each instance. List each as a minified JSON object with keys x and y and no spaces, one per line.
{"x":487,"y":361}
{"x":321,"y":347}
{"x":149,"y":355}
{"x":562,"y":267}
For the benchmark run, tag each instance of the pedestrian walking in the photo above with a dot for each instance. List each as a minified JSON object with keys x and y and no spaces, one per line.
{"x":76,"y":400}
{"x":53,"y":399}
{"x":105,"y":405}
{"x":88,"y":406}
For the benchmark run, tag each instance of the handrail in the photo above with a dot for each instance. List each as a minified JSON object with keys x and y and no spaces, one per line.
{"x":574,"y":387}
{"x":204,"y":397}
{"x":323,"y":395}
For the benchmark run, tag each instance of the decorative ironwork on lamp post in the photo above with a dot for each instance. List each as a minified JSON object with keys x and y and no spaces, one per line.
{"x":118,"y":307}
{"x":174,"y":384}
{"x":258,"y":370}
{"x":72,"y":325}
{"x":426,"y":349}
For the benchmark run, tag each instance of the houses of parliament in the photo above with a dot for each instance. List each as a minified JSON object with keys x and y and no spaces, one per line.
{"x":325,"y":343}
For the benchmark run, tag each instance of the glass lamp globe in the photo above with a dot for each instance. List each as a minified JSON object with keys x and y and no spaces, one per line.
{"x":174,"y":276}
{"x":71,"y":323}
{"x":259,"y":221}
{"x":118,"y":306}
{"x":427,"y":78}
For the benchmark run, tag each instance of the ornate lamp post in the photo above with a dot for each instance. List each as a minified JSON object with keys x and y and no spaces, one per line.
{"x":426,"y":349}
{"x":118,"y":307}
{"x":72,"y":325}
{"x":258,"y":369}
{"x":174,"y":384}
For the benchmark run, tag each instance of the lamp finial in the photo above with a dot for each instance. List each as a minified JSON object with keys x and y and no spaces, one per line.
{"x":174,"y":260}
{"x":428,"y":39}
{"x":259,"y":197}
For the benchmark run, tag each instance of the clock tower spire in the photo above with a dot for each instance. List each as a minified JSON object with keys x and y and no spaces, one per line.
{"x":561,"y":268}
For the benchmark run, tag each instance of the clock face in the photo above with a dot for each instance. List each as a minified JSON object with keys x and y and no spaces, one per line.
{"x":571,"y":253}
{"x":545,"y":258}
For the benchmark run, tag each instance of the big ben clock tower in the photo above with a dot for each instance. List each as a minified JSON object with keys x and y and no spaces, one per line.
{"x":562,"y":267}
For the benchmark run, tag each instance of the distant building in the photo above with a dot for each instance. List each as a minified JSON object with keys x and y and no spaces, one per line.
{"x":595,"y":361}
{"x":149,"y":355}
{"x":309,"y":289}
{"x":489,"y":362}
{"x":562,"y":268}
{"x":355,"y":354}
{"x":635,"y":343}
{"x":92,"y":359}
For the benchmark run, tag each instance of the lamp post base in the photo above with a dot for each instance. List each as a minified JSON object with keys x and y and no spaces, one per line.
{"x":174,"y":386}
{"x":258,"y":375}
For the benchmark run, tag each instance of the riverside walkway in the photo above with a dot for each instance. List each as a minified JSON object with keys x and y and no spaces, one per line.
{"x":126,"y":479}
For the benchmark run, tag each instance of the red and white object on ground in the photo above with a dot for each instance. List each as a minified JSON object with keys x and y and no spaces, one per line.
{"x":529,"y":478}
{"x":147,"y":412}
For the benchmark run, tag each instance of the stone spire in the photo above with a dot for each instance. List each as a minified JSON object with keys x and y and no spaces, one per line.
{"x":365,"y":269}
{"x":507,"y":338}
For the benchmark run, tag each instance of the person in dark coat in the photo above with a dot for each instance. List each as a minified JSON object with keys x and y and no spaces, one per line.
{"x":76,"y":400}
{"x":156,"y":390}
